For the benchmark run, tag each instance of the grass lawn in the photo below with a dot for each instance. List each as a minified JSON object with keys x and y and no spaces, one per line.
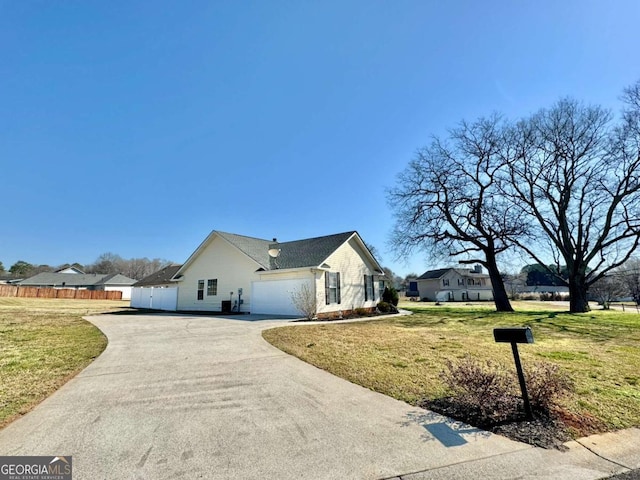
{"x":43,"y":343}
{"x":403,"y":356}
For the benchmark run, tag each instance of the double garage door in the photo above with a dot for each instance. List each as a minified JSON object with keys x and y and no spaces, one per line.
{"x":274,"y":297}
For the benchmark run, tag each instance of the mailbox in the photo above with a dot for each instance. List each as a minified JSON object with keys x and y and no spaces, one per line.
{"x":513,"y":335}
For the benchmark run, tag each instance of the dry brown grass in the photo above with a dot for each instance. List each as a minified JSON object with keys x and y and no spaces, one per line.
{"x":44,"y":343}
{"x":404,"y":356}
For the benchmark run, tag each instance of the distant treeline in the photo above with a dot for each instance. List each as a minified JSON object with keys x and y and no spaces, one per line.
{"x":136,"y":268}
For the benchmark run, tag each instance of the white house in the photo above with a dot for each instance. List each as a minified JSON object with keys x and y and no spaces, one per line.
{"x":156,"y":291}
{"x":230,"y":272}
{"x":455,"y":284}
{"x":82,"y":281}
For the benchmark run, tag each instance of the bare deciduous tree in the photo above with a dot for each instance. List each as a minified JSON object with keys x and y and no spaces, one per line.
{"x":576,"y":174}
{"x":136,"y":268}
{"x":608,"y":289}
{"x":448,"y":201}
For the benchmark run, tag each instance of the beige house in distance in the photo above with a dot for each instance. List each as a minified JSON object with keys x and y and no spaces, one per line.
{"x":455,"y":285}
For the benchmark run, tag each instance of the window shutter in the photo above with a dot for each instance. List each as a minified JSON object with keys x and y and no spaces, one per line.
{"x":366,"y":297}
{"x":326,"y":287}
{"x":338,"y":286}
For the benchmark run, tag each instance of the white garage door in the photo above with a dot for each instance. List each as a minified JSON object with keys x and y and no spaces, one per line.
{"x":274,"y":297}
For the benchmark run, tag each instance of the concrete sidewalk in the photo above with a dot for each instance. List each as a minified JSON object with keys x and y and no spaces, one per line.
{"x":178,"y":396}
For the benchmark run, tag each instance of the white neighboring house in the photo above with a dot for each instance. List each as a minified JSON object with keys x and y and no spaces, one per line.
{"x":82,"y":281}
{"x":156,"y":291}
{"x":455,"y":284}
{"x":235,"y":273}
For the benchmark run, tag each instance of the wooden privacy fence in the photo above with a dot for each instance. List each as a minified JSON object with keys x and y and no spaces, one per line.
{"x":37,"y":292}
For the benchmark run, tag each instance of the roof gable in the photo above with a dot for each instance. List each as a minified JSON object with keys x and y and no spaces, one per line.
{"x":162,"y":276}
{"x":310,"y":252}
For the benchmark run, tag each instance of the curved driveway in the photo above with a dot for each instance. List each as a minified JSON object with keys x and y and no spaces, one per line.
{"x":206,"y":397}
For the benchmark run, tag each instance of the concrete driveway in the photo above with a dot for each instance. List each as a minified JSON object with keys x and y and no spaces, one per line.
{"x":206,"y":397}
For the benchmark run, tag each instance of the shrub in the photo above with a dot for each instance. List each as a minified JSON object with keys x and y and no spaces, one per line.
{"x":385,"y":307}
{"x":546,"y":385}
{"x":361,"y":312}
{"x":481,"y":387}
{"x":390,"y":295}
{"x":490,"y":390}
{"x":531,"y":296}
{"x":304,"y":299}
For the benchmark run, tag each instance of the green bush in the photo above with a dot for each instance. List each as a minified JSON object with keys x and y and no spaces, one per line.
{"x":390,"y":295}
{"x":386,"y":307}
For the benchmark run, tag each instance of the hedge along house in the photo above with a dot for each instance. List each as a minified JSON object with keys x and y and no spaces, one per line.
{"x":235,"y":273}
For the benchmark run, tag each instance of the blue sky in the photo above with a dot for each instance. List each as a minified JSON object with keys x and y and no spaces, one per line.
{"x":139,"y":127}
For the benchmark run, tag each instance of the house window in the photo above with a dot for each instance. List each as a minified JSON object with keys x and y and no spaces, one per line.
{"x":212,"y":287}
{"x":460,"y":281}
{"x":200,"y":289}
{"x":469,"y":281}
{"x":445,"y":282}
{"x":368,"y":288}
{"x":380,"y":287}
{"x":332,"y":287}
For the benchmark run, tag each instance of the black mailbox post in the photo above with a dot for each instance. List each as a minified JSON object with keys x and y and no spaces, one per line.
{"x":514,"y":336}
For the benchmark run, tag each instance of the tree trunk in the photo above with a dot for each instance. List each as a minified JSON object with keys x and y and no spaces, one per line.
{"x":578,"y":302}
{"x":500,"y":297}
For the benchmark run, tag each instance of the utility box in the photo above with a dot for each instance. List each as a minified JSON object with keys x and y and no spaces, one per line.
{"x":513,"y":335}
{"x":226,"y":306}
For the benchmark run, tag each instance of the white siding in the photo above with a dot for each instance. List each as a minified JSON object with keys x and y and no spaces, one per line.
{"x":353,"y":265}
{"x":154,"y":298}
{"x":221,"y":261}
{"x":126,"y":291}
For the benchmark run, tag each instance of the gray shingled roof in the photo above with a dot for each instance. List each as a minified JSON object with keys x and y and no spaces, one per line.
{"x":116,"y":279}
{"x":310,"y":252}
{"x":161,"y":277}
{"x":441,"y":271}
{"x":433,"y":273}
{"x":76,"y":279}
{"x":255,"y":248}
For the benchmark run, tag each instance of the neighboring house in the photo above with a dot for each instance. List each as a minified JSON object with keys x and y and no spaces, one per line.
{"x":70,"y":270}
{"x":160,"y":279}
{"x":412,"y":289}
{"x":157,"y":291}
{"x":455,"y":284}
{"x":230,"y":272}
{"x":88,"y":281}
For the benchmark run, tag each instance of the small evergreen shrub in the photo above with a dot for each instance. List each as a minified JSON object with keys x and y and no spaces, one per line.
{"x":390,"y":295}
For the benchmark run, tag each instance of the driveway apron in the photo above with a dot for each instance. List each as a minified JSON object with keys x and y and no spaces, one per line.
{"x":206,"y":397}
